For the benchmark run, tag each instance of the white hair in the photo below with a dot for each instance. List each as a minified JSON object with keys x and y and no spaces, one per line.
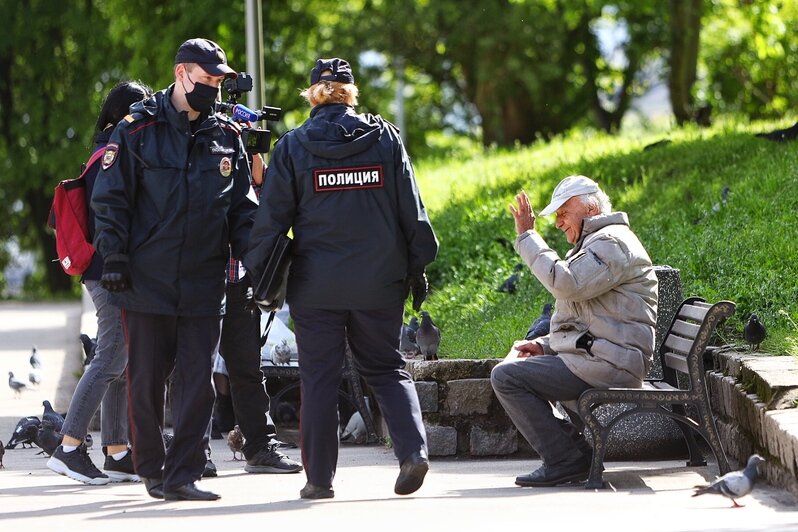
{"x":598,"y":199}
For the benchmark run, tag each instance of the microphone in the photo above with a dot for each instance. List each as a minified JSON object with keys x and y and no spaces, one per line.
{"x":242,"y":112}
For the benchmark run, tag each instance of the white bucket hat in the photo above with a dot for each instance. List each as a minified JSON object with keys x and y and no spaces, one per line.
{"x":573,"y":185}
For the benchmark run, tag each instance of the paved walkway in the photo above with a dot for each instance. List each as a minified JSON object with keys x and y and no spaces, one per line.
{"x":458,"y":494}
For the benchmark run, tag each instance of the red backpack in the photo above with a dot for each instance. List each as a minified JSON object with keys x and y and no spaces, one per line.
{"x":71,"y":213}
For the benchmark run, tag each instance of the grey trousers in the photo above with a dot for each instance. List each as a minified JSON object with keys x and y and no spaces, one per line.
{"x":527,"y":389}
{"x":104,"y":381}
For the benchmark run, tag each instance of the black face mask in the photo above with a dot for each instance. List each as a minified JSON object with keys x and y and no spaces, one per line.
{"x":202,"y":98}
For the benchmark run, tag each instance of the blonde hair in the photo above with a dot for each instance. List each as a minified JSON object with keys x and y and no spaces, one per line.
{"x":325,"y":92}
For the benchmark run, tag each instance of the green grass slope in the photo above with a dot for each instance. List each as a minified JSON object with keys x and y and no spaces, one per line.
{"x":744,"y":250}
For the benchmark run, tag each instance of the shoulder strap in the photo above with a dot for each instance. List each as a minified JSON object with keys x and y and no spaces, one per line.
{"x":93,"y":159}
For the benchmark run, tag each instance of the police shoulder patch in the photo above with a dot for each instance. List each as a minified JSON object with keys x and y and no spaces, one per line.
{"x":109,"y":157}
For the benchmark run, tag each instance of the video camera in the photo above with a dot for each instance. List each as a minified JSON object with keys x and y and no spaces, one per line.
{"x":256,"y":140}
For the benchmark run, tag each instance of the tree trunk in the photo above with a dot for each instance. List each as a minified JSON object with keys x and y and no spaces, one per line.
{"x":685,"y":33}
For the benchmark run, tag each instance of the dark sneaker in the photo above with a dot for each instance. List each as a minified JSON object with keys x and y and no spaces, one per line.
{"x":270,"y":460}
{"x":565,"y":472}
{"x":283,"y":444}
{"x":121,"y":470}
{"x":316,"y":492}
{"x":210,"y":470}
{"x":77,"y":465}
{"x":411,"y":474}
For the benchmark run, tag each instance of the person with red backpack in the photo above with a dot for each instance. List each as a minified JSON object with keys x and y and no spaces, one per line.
{"x":104,"y":380}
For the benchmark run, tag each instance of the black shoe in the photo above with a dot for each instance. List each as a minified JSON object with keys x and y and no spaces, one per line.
{"x":77,"y":465}
{"x":189,"y":492}
{"x":154,"y":487}
{"x":411,"y":473}
{"x":311,"y":491}
{"x":120,"y":470}
{"x":210,"y":470}
{"x":547,"y":476}
{"x":270,"y":460}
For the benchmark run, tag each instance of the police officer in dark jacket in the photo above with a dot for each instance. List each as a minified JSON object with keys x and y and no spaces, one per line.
{"x":172,"y":200}
{"x":343,"y":183}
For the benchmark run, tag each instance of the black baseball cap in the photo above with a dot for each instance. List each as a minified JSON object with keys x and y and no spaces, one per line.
{"x":341,"y":71}
{"x":207,"y":54}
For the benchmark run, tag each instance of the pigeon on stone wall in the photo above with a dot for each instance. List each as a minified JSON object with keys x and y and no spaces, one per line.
{"x":540,"y":327}
{"x":735,"y":484}
{"x":15,"y":384}
{"x":407,"y":343}
{"x":754,"y":332}
{"x":428,"y":337}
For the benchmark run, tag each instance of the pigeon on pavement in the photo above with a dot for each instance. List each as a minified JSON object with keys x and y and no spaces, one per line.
{"x":754,"y":332}
{"x":16,"y":384}
{"x":235,"y":441}
{"x":24,"y":432}
{"x":34,"y":377}
{"x":47,"y":438}
{"x":540,"y":327}
{"x":428,"y":337}
{"x":355,"y":430}
{"x":89,"y":348}
{"x":51,"y":416}
{"x":735,"y":484}
{"x":35,"y":361}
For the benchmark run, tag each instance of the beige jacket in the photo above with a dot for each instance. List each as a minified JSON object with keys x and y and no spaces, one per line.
{"x":605,"y":286}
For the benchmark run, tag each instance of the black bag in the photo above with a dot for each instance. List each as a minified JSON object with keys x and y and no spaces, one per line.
{"x":270,"y":292}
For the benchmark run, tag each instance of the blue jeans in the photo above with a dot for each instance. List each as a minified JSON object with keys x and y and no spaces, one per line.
{"x":104,"y":379}
{"x":527,"y":389}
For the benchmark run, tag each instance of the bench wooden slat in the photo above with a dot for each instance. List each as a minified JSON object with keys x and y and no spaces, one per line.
{"x":678,"y":344}
{"x":676,"y":361}
{"x":693,"y":312}
{"x":685,"y":329}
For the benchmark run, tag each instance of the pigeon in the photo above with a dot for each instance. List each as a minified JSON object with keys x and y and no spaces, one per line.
{"x":754,"y":332}
{"x":47,"y":438}
{"x":407,"y":342}
{"x":24,"y":432}
{"x":35,"y":362}
{"x":428,"y":337}
{"x":88,"y":441}
{"x":235,"y":440}
{"x":281,"y":353}
{"x":15,"y":384}
{"x":540,"y":327}
{"x":34,"y":377}
{"x":735,"y":484}
{"x":355,"y":430}
{"x":89,"y":348}
{"x":2,"y":452}
{"x":51,"y":416}
{"x":509,"y":285}
{"x":413,"y":324}
{"x":781,"y":135}
{"x":724,"y":199}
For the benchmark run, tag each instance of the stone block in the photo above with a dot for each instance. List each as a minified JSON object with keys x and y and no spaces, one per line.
{"x":441,"y":440}
{"x":484,"y":442}
{"x":427,"y":395}
{"x":450,"y":369}
{"x":465,"y":397}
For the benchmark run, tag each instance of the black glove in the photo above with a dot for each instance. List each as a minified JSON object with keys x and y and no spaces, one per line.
{"x":417,"y":283}
{"x":116,"y":276}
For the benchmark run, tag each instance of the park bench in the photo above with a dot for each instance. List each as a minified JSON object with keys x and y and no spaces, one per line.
{"x":351,"y":389}
{"x":684,"y":399}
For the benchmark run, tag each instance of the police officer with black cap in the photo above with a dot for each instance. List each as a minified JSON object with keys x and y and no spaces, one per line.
{"x":172,"y":199}
{"x":343,"y":183}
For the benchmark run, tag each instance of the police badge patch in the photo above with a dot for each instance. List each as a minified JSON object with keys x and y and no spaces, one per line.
{"x":225,"y":166}
{"x":109,"y":157}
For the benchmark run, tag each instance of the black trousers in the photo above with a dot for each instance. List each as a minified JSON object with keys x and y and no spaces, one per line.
{"x":160,"y":345}
{"x":373,"y":336}
{"x":240,"y":348}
